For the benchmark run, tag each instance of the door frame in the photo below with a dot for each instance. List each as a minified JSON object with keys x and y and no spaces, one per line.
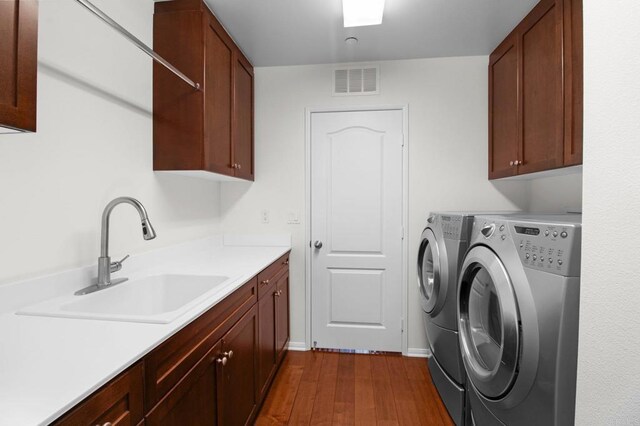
{"x":405,"y":211}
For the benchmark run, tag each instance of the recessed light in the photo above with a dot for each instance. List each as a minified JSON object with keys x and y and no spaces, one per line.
{"x":351,"y":41}
{"x":359,"y":13}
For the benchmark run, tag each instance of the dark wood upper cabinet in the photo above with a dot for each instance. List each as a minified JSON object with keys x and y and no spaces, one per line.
{"x":535,"y":92}
{"x":210,"y":129}
{"x":19,"y":64}
{"x":503,"y":104}
{"x":243,"y":118}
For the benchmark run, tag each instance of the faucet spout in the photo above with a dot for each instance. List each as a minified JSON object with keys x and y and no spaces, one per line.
{"x":148,"y":233}
{"x":105,"y":266}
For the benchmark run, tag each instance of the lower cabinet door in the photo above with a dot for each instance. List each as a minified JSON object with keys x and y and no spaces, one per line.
{"x":194,"y":400}
{"x":119,"y":403}
{"x":282,"y":314}
{"x":238,"y":394}
{"x":266,"y":339}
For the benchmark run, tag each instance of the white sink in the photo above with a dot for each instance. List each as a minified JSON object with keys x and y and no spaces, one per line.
{"x":155,"y":299}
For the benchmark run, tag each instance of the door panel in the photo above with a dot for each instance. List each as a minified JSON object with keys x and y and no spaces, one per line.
{"x":194,"y":399}
{"x":542,"y":90}
{"x":356,"y":190}
{"x":282,"y":314}
{"x":217,"y":103}
{"x":503,"y":110}
{"x":238,"y":390}
{"x":243,"y":118}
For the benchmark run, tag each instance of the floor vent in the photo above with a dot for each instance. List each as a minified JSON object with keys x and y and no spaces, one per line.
{"x":356,"y":81}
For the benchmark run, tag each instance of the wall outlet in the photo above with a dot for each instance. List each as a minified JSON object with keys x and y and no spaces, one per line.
{"x":293,"y":218}
{"x":264,"y":216}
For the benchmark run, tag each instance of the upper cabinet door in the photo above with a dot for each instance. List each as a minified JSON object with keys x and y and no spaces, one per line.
{"x":19,"y":64}
{"x":243,"y":118}
{"x":542,"y":98}
{"x":217,"y":100}
{"x":573,"y":82}
{"x":503,"y":110}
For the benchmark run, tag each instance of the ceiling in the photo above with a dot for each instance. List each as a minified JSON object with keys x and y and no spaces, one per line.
{"x":296,"y":32}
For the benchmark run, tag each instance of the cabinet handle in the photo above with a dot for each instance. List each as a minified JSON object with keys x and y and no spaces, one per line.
{"x":228,"y":354}
{"x":222,"y":360}
{"x":265,"y":282}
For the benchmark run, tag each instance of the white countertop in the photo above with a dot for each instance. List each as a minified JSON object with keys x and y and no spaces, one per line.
{"x":48,"y":365}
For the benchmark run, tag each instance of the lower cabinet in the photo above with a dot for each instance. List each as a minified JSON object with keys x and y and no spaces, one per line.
{"x":237,"y":393}
{"x":194,"y":400}
{"x":282,"y":314}
{"x":215,"y":371}
{"x":117,"y":404}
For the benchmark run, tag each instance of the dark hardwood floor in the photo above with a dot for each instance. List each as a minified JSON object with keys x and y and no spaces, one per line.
{"x":314,"y":388}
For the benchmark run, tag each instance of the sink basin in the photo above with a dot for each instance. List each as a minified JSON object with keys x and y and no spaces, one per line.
{"x":155,"y":299}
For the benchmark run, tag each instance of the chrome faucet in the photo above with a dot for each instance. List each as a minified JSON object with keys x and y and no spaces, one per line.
{"x":105,"y":266}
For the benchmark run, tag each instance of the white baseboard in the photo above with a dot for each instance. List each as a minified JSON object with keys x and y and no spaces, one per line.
{"x":297,"y":346}
{"x":419,"y":352}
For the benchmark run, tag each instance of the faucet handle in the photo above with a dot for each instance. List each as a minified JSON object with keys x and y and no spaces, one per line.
{"x":117,"y":265}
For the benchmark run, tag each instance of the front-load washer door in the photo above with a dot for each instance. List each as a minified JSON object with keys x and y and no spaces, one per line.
{"x":488,"y":321}
{"x":432,"y":276}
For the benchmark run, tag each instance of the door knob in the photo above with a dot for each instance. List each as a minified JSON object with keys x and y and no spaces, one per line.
{"x":318,"y":244}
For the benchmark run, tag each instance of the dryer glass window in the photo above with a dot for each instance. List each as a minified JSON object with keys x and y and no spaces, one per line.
{"x":426,"y":271}
{"x":485,"y":320}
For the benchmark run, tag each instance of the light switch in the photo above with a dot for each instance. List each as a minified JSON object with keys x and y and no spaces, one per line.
{"x":264,"y":215}
{"x":293,"y":218}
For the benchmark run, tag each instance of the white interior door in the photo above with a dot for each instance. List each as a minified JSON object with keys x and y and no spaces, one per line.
{"x":357,"y":230}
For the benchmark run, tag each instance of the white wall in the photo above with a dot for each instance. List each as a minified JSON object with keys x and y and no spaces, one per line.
{"x":556,"y":194}
{"x":94,"y":142}
{"x":608,"y":390}
{"x":447,"y":101}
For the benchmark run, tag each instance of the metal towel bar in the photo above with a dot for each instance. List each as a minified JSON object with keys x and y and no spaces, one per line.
{"x":146,"y":49}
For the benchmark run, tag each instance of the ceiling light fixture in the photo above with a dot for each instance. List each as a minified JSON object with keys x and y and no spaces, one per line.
{"x":359,"y":13}
{"x":351,"y":41}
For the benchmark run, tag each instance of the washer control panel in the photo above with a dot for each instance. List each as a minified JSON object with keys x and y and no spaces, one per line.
{"x":548,"y":247}
{"x":452,"y":226}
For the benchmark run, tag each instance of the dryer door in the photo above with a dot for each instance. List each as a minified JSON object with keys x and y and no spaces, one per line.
{"x":431,"y":275}
{"x":488,"y":321}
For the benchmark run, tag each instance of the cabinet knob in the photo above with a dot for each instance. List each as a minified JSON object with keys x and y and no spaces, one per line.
{"x":286,"y":262}
{"x":106,"y":424}
{"x":278,"y":293}
{"x":265,"y":282}
{"x":239,"y":165}
{"x":222,"y":360}
{"x":229,"y":354}
{"x":511,"y":163}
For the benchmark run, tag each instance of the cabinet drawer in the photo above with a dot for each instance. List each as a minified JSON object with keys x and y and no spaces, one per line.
{"x":118,"y":402}
{"x":169,"y":362}
{"x":266,"y":277}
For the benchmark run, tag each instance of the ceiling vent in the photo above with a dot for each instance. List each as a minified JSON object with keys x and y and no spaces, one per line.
{"x":356,"y":81}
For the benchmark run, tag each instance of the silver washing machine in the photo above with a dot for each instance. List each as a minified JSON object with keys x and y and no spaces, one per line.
{"x":518,"y":300}
{"x":442,"y":247}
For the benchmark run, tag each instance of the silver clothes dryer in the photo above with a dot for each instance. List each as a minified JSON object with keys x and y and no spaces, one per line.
{"x":442,"y":247}
{"x":518,"y":300}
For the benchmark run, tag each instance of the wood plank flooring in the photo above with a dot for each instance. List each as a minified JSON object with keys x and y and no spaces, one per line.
{"x":327,"y":388}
